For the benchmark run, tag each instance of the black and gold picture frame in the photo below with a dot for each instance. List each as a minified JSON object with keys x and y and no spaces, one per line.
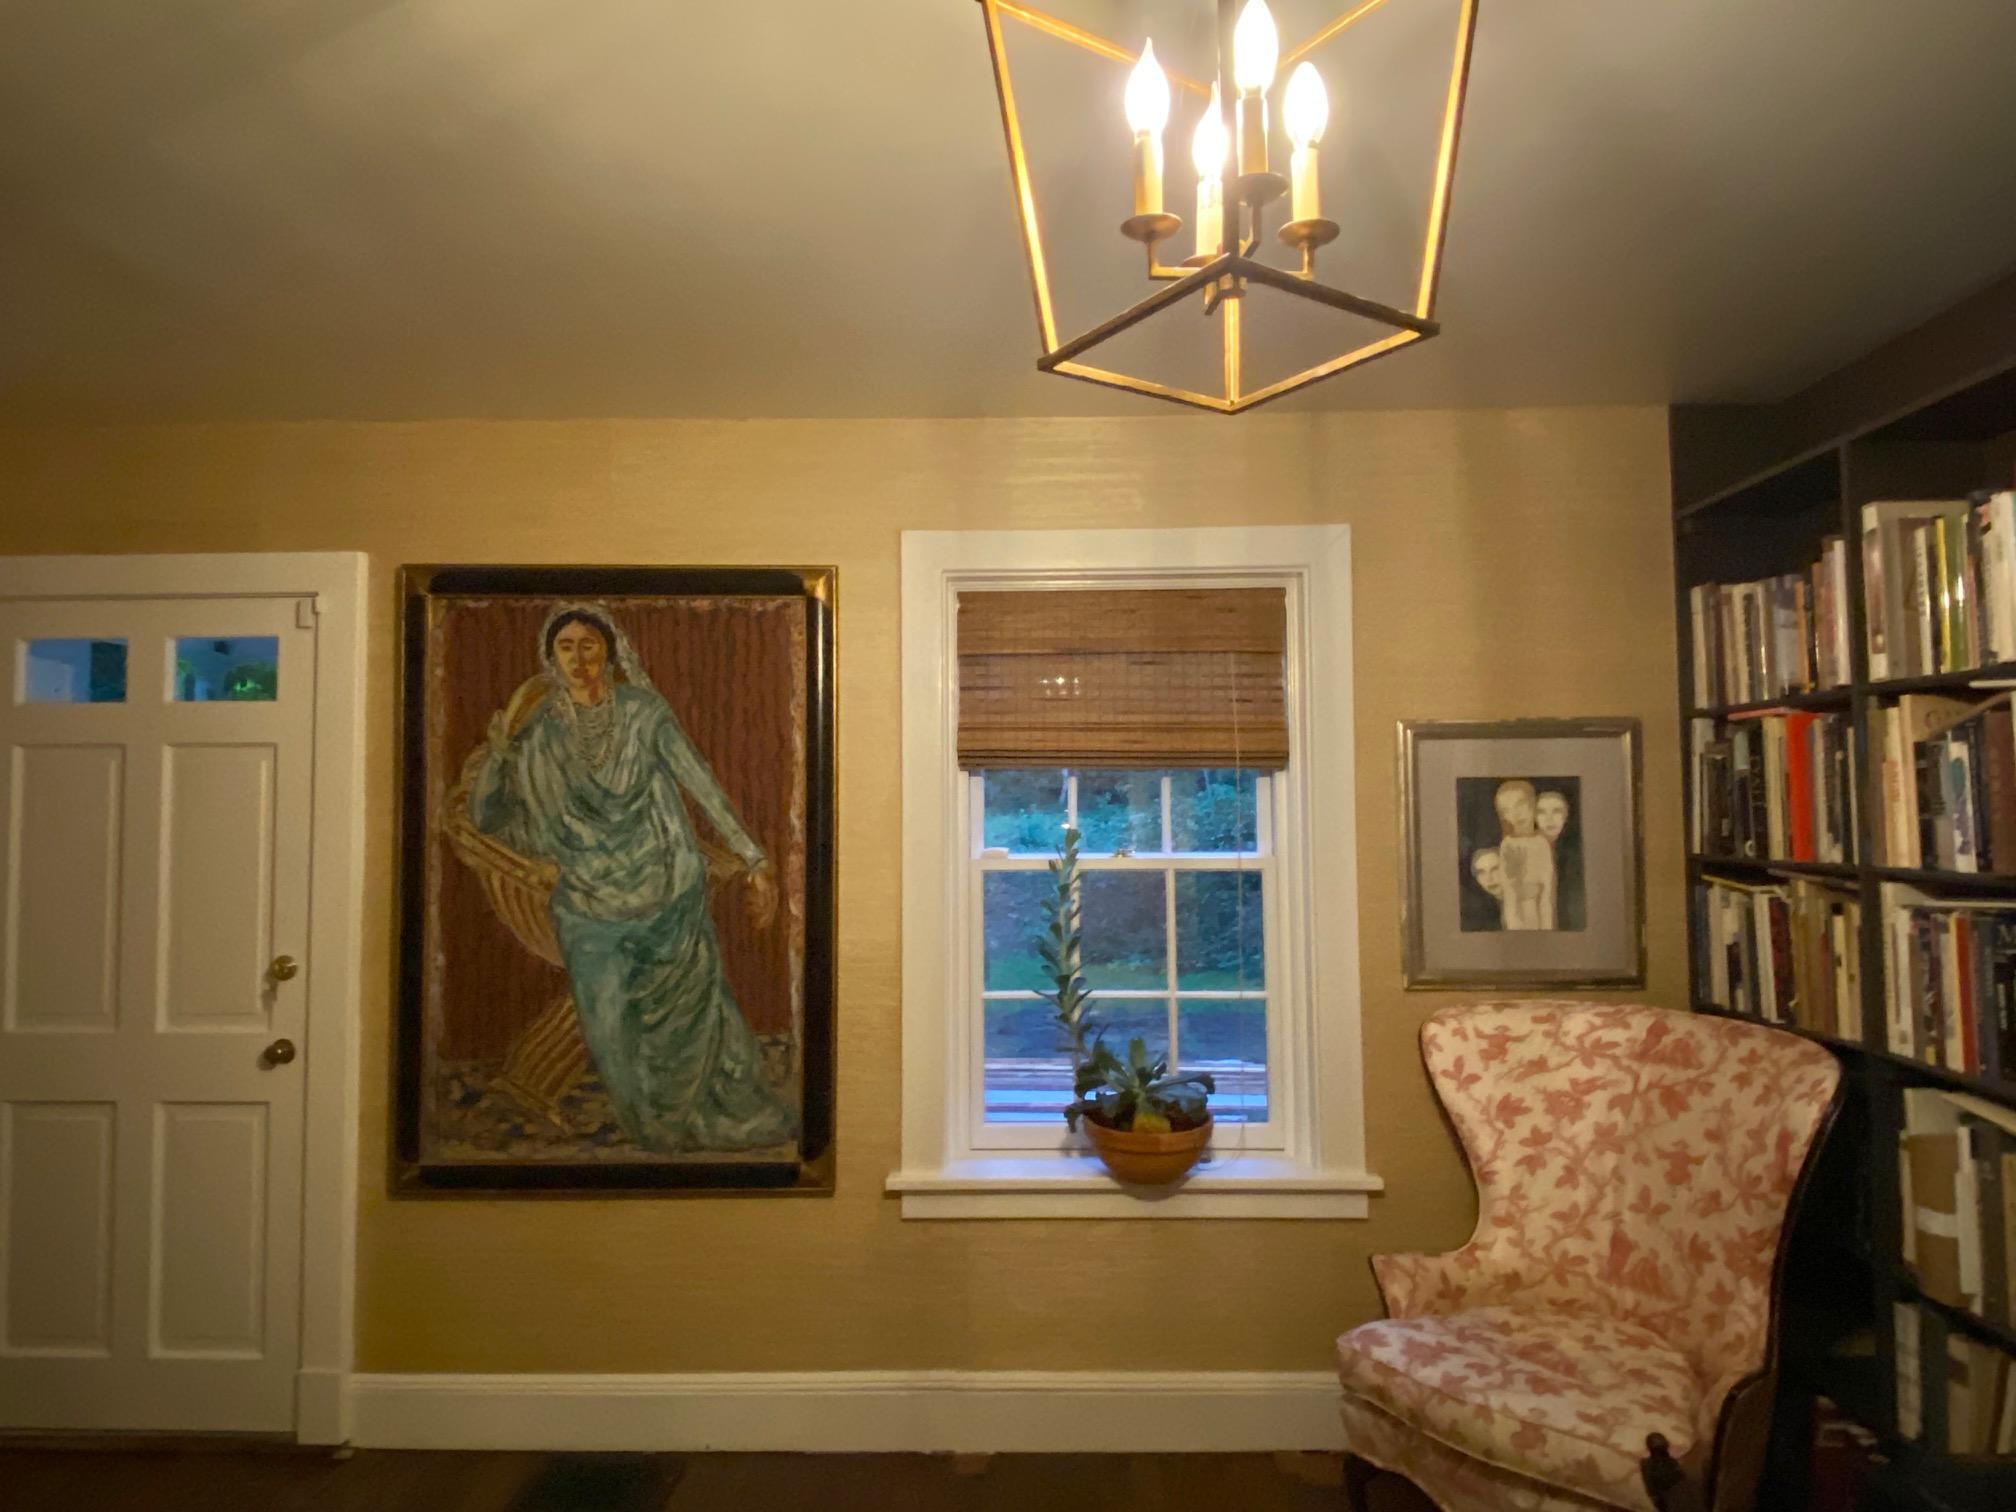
{"x":616,"y":880}
{"x":1521,"y":854}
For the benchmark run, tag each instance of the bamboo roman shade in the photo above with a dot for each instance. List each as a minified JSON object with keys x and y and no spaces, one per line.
{"x":1124,"y":678}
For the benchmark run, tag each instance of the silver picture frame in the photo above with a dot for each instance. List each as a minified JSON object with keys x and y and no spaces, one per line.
{"x":1521,"y":853}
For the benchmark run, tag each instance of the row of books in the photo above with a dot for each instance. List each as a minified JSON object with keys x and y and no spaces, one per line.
{"x":1940,"y":580}
{"x":1786,"y":952}
{"x":1948,"y":782}
{"x":1765,"y":639}
{"x":1953,"y":1391}
{"x":1957,"y":1167}
{"x":1949,"y":972}
{"x":1774,"y":784}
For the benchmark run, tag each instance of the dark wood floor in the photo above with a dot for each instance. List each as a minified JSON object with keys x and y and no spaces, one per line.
{"x":69,"y":1480}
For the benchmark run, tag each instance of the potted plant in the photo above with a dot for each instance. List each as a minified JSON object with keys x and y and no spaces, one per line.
{"x":1150,"y":1126}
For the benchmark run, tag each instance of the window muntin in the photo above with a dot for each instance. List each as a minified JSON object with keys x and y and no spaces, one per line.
{"x":1178,"y":906}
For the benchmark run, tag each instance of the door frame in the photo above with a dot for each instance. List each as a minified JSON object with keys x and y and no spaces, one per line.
{"x":338,"y":584}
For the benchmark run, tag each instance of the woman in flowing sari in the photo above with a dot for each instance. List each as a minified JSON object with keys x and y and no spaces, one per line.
{"x":585,"y":770}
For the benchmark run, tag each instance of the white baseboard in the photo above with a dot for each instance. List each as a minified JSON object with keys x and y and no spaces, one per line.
{"x":967,"y":1412}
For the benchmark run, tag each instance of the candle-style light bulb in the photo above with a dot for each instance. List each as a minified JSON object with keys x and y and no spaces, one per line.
{"x":1147,"y":94}
{"x":1147,"y":105}
{"x":1305,"y":106}
{"x":1305,"y":111}
{"x":1256,"y":49}
{"x":1207,"y":152}
{"x":1256,"y":53}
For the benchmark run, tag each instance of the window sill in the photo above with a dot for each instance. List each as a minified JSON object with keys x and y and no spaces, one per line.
{"x":1077,"y":1186}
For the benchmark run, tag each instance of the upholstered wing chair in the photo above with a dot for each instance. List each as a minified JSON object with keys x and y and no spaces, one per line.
{"x":1635,"y":1168}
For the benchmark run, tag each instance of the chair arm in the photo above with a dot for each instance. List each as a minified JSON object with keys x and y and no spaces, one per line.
{"x":1431,"y":1285}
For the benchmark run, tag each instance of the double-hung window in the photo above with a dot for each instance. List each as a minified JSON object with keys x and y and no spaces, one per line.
{"x":1181,"y":699}
{"x":1175,"y":887}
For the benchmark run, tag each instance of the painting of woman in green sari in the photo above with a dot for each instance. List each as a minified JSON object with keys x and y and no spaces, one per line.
{"x":587,"y":774}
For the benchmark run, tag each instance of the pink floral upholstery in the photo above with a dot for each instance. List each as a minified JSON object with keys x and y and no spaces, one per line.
{"x":1634,"y":1166}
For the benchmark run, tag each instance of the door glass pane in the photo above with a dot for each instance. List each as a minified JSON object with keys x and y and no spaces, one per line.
{"x":1228,"y":1038}
{"x":1220,"y":938}
{"x":1214,"y":809}
{"x":74,"y":671}
{"x":1024,"y":811}
{"x":1123,"y":1019}
{"x":237,"y":669}
{"x":1126,"y":931}
{"x":1120,"y":811}
{"x":1027,"y":1074}
{"x":1013,"y":923}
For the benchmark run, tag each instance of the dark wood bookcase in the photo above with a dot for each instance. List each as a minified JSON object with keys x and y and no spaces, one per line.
{"x":1755,"y":489}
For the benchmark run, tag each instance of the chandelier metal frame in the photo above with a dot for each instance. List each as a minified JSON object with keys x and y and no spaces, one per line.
{"x":1223,"y":280}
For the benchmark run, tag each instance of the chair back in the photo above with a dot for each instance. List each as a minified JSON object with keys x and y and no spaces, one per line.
{"x":1632,"y":1159}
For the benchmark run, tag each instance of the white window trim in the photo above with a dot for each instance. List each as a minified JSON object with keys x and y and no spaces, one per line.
{"x":1319,"y":1171}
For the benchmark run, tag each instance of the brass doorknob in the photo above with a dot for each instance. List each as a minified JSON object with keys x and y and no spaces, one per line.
{"x":279,"y":1053}
{"x":284,"y":969}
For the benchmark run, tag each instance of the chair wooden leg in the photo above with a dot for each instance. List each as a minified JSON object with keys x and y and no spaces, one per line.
{"x":1367,"y":1488}
{"x":1358,"y":1475}
{"x":1665,"y":1482}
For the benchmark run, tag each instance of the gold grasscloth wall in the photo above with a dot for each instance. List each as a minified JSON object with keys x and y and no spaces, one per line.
{"x":1507,"y":563}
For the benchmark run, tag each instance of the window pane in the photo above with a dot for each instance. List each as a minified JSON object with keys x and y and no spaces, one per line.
{"x":1123,"y":1019}
{"x":1214,"y":810}
{"x":1228,"y":1038}
{"x":1120,"y":811}
{"x":1024,"y":811}
{"x":1219,"y":932}
{"x":238,"y":669}
{"x":1012,"y":910}
{"x":1126,"y":931}
{"x":74,"y":671}
{"x":1027,"y":1077}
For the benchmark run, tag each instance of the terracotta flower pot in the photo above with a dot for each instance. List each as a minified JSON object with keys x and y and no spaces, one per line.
{"x":1148,"y":1159}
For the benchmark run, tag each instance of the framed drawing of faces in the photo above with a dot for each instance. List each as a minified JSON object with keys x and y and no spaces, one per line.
{"x":1520,"y":847}
{"x":616,"y":879}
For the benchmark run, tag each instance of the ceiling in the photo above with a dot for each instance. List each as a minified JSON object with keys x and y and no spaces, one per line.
{"x":517,"y":208}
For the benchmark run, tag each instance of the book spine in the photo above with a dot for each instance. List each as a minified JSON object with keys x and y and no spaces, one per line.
{"x":1992,"y":1147}
{"x":1944,"y":620}
{"x":1785,"y":1004}
{"x":1928,"y":784}
{"x":1697,"y":615}
{"x":1922,"y":648}
{"x":1998,"y":789}
{"x":2002,"y":579}
{"x":1876,"y":608}
{"x":1957,"y":784}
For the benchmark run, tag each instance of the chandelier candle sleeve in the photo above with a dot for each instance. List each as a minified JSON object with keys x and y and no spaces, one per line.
{"x":1147,"y":104}
{"x":1256,"y":53}
{"x":1305,"y":110}
{"x":1207,"y":152}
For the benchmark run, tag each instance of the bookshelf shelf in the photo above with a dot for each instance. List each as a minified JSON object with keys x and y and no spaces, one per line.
{"x":1998,"y":1334}
{"x":1819,"y":698}
{"x":1947,"y":881}
{"x":1890,"y":687}
{"x":1764,"y":864}
{"x":1769,"y":505}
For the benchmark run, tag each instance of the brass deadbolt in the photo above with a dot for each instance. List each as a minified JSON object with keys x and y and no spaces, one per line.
{"x":284,"y":968}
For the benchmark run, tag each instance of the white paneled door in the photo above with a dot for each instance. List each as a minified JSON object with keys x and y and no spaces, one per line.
{"x":156,"y":763}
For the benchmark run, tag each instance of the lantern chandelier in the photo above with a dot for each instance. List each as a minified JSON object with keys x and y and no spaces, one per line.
{"x":1238,"y":194}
